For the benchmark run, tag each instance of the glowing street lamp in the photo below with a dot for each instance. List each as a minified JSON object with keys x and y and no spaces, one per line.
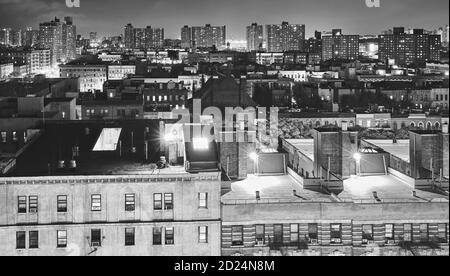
{"x":357,"y":157}
{"x":253,"y":156}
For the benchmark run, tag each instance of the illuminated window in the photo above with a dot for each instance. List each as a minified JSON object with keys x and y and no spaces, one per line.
{"x":3,"y":136}
{"x":33,"y":204}
{"x":201,"y":144}
{"x":61,"y":203}
{"x":157,"y":201}
{"x":389,"y":232}
{"x":336,"y":233}
{"x":237,"y":236}
{"x":203,"y":234}
{"x":96,"y":203}
{"x":130,"y":202}
{"x":22,"y":204}
{"x":168,"y":201}
{"x":61,"y":239}
{"x":169,"y":236}
{"x":294,"y":233}
{"x":203,"y":200}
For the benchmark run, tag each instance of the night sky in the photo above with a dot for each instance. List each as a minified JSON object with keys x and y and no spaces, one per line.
{"x":108,"y":17}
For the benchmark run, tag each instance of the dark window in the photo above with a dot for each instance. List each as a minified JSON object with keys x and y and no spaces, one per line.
{"x":169,"y":235}
{"x":203,"y":200}
{"x":168,"y":201}
{"x":22,"y":204}
{"x":34,"y":239}
{"x":130,"y":202}
{"x":157,"y":201}
{"x":278,"y":233}
{"x":407,"y":232}
{"x":237,"y":236}
{"x":20,"y":239}
{"x":367,"y":233}
{"x":260,"y":234}
{"x":157,"y":236}
{"x":294,"y":233}
{"x":336,"y":233}
{"x":96,"y":237}
{"x":96,"y":203}
{"x":313,"y":232}
{"x":33,"y":204}
{"x":423,"y":231}
{"x":442,"y":233}
{"x":62,"y":204}
{"x":203,"y":234}
{"x":129,"y":237}
{"x":61,"y":237}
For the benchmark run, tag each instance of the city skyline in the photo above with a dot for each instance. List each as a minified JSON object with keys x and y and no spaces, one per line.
{"x":94,"y":16}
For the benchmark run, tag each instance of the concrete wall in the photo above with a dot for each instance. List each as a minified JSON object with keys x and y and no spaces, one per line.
{"x":112,"y":219}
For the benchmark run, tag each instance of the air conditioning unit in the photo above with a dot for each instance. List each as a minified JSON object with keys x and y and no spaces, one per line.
{"x":260,"y":243}
{"x":314,"y":241}
{"x":95,"y":244}
{"x":365,"y":241}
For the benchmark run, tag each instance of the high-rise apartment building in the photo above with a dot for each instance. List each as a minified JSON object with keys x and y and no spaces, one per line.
{"x":203,"y":37}
{"x":143,"y":38}
{"x":129,"y":36}
{"x":5,"y":36}
{"x":285,"y":37}
{"x":339,"y":46}
{"x":255,"y":37}
{"x":408,"y":48}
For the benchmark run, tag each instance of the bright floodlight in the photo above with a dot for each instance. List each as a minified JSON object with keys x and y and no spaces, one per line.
{"x":201,"y":144}
{"x":253,"y":156}
{"x":357,"y":156}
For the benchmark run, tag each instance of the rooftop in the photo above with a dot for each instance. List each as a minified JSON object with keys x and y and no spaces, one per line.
{"x":399,"y":149}
{"x":305,"y":146}
{"x":359,"y":190}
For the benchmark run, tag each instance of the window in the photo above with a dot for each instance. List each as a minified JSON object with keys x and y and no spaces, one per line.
{"x":33,"y":239}
{"x":20,"y":239}
{"x":278,"y":233}
{"x":96,"y":237}
{"x":203,"y":234}
{"x":61,"y":239}
{"x":237,"y":236}
{"x":22,"y":204}
{"x":168,"y":201}
{"x":62,"y":204}
{"x":130,"y":202}
{"x":260,"y":234}
{"x":129,"y":237}
{"x":15,"y":138}
{"x":336,"y":233}
{"x":3,"y":134}
{"x":157,"y":236}
{"x":96,"y":203}
{"x":169,"y":235}
{"x":203,"y":200}
{"x":157,"y":201}
{"x":389,"y":233}
{"x":33,"y":204}
{"x":367,"y":234}
{"x":294,"y":233}
{"x":442,"y":233}
{"x":313,"y":233}
{"x":423,"y":231}
{"x":407,"y":232}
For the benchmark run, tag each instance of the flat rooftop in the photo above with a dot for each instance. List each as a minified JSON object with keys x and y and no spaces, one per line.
{"x":399,"y":149}
{"x":359,"y":190}
{"x":305,"y":146}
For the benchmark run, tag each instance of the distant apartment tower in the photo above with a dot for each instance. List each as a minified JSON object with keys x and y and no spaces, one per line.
{"x":60,"y":38}
{"x":203,"y":37}
{"x":409,"y":48}
{"x":93,"y":37}
{"x":285,"y":37}
{"x":5,"y":36}
{"x":153,"y":38}
{"x":30,"y":37}
{"x":129,"y":36}
{"x":339,"y":46}
{"x":255,"y":37}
